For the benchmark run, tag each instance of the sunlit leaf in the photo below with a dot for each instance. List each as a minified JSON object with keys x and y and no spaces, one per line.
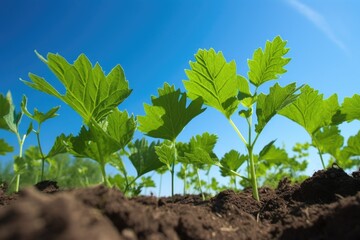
{"x":90,"y":92}
{"x":268,"y":64}
{"x":311,"y":111}
{"x":168,"y":114}
{"x":215,"y":81}
{"x":269,"y":105}
{"x":351,"y":108}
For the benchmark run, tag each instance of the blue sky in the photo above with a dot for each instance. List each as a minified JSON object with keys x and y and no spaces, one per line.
{"x":155,"y":40}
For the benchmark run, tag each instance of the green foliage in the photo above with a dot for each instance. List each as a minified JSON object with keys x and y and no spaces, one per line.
{"x":268,"y":64}
{"x":5,"y":147}
{"x":88,"y":91}
{"x":100,"y":141}
{"x":144,"y":157}
{"x":351,"y":108}
{"x":311,"y":111}
{"x":269,"y":105}
{"x":214,"y":80}
{"x":10,"y":121}
{"x":168,"y":114}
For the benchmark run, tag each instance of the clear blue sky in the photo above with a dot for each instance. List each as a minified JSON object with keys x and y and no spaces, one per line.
{"x":155,"y":40}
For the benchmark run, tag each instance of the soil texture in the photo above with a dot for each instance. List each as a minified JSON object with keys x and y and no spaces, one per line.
{"x":325,"y":206}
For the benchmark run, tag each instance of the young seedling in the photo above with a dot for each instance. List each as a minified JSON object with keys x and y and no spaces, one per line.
{"x":143,"y":157}
{"x":95,"y":97}
{"x":199,"y":153}
{"x":217,"y":83}
{"x":10,"y":121}
{"x":165,"y":119}
{"x":39,"y":117}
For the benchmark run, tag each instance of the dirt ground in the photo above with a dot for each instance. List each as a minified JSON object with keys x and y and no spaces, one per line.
{"x":325,"y":206}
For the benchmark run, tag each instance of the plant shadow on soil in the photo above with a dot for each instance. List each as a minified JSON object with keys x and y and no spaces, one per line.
{"x":325,"y":206}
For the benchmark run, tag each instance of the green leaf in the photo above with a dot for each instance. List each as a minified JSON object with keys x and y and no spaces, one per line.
{"x":145,"y":158}
{"x":4,"y":111}
{"x":5,"y":147}
{"x":88,"y":91}
{"x":166,"y":154}
{"x":266,"y":149}
{"x":9,"y":118}
{"x":100,"y":141}
{"x":274,"y":155}
{"x":268,"y":64}
{"x":215,"y":81}
{"x":269,"y":105}
{"x":169,"y":114}
{"x":61,"y":145}
{"x":328,"y":139}
{"x":232,"y":160}
{"x":311,"y":111}
{"x":351,"y":108}
{"x":353,"y":145}
{"x":38,"y":116}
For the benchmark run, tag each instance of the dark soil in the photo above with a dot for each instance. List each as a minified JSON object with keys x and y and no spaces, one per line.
{"x":325,"y":206}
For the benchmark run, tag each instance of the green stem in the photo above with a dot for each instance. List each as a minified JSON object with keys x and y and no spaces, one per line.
{"x":184,"y":178}
{"x":200,"y":185}
{"x":321,"y":158}
{"x":104,"y":178}
{"x":237,"y":131}
{"x":41,"y":153}
{"x":173,"y":168}
{"x":21,"y":144}
{"x":253,"y":174}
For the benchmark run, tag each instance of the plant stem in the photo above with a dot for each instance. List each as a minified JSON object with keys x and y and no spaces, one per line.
{"x":173,"y":168}
{"x":253,"y":174}
{"x":200,"y":185}
{"x":321,"y":158}
{"x":21,"y":144}
{"x":41,"y":153}
{"x":251,"y":160}
{"x":237,"y":131}
{"x":104,"y":178}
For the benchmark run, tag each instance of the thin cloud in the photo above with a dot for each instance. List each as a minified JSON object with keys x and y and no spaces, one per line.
{"x":318,"y":20}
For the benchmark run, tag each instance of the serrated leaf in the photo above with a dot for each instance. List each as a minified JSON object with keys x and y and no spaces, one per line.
{"x":269,"y":105}
{"x":61,"y":145}
{"x":100,"y":141}
{"x":311,"y":111}
{"x":168,"y":114}
{"x":328,"y":139}
{"x":38,"y":116}
{"x":144,"y":157}
{"x":88,"y":91}
{"x":232,"y":160}
{"x":268,"y":64}
{"x":351,"y":108}
{"x":200,"y":150}
{"x":166,"y":153}
{"x":214,"y":80}
{"x":5,"y":147}
{"x":353,"y":145}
